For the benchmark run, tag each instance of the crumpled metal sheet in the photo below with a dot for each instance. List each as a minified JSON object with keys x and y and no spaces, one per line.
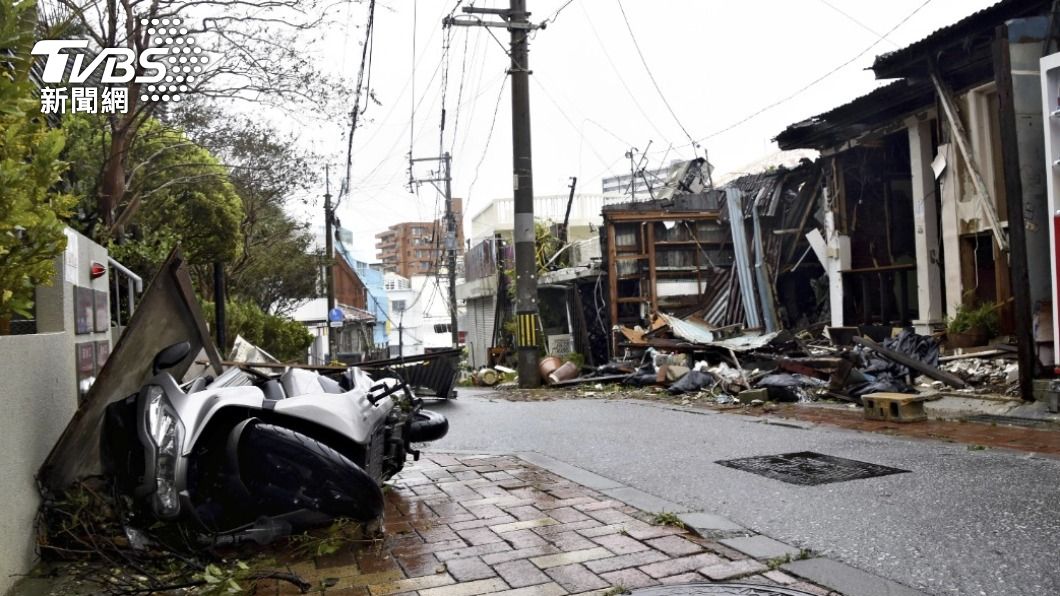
{"x":702,"y":334}
{"x":746,"y":343}
{"x":693,"y":332}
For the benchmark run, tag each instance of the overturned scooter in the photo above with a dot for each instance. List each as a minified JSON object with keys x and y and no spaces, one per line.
{"x":252,"y":456}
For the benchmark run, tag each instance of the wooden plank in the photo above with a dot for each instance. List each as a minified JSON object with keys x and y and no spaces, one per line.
{"x":652,"y":294}
{"x":612,"y":271}
{"x":982,"y":193}
{"x":900,"y":358}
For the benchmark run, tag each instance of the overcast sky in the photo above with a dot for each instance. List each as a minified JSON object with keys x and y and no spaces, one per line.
{"x":716,"y":62}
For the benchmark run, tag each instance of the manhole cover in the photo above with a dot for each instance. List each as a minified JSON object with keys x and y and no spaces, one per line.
{"x":718,"y":590}
{"x":808,"y":468}
{"x":1011,"y":421}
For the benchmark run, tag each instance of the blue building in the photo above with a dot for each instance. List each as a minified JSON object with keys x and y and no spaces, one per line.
{"x":376,"y":302}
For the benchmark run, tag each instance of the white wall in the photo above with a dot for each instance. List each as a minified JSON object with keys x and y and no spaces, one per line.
{"x":39,"y":394}
{"x":38,"y":391}
{"x":426,"y":304}
{"x":498,"y":216}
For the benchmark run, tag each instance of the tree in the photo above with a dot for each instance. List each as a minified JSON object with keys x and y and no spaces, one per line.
{"x":181,"y":191}
{"x":31,"y":211}
{"x":284,"y":338}
{"x":276,"y":269}
{"x":252,"y":53}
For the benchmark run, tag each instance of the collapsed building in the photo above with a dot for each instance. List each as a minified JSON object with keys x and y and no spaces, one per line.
{"x":928,"y":200}
{"x":935,"y":184}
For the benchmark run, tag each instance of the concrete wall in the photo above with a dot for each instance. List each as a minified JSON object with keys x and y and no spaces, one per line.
{"x":38,"y":392}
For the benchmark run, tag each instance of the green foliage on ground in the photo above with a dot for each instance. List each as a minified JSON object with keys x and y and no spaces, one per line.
{"x":31,"y":211}
{"x":280,"y":336}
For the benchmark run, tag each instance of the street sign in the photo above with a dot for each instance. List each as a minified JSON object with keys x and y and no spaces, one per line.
{"x":336,"y":317}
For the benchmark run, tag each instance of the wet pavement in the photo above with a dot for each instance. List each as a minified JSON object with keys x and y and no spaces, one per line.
{"x":963,"y":520}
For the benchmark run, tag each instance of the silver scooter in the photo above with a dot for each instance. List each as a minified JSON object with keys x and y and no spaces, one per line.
{"x":254,"y":456}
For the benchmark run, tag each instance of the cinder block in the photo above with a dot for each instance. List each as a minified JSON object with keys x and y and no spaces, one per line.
{"x":894,"y":407}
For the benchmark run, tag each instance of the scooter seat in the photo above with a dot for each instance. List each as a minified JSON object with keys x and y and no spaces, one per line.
{"x":273,"y":390}
{"x":297,"y":381}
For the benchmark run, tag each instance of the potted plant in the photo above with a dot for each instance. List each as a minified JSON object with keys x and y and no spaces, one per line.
{"x":972,"y":326}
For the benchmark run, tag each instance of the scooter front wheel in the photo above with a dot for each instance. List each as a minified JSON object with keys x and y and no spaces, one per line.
{"x":287,"y":470}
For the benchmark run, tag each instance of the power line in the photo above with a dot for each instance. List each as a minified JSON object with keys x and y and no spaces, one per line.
{"x":485,"y":149}
{"x":851,"y":18}
{"x":818,"y":79}
{"x":552,"y":19}
{"x":621,"y":79}
{"x":460,"y":91}
{"x":652,"y":76}
{"x":537,"y":81}
{"x":355,"y":113}
{"x":412,"y":116}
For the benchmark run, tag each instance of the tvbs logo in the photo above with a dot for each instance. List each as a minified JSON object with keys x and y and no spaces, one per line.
{"x":119,"y":64}
{"x":164,"y":70}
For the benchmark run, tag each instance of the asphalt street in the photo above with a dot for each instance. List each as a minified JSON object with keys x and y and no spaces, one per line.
{"x":962,"y":522}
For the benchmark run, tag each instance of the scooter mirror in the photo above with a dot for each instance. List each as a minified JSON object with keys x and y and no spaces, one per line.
{"x":171,"y":356}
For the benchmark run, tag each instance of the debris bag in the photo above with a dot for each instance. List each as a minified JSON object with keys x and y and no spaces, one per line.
{"x":920,"y":347}
{"x":693,"y":381}
{"x":789,"y":386}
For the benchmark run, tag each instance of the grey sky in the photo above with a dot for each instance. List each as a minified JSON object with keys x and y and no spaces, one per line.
{"x":591,"y":98}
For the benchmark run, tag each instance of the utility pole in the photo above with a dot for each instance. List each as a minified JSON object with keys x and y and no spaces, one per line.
{"x":526,"y":311}
{"x":566,"y":216}
{"x":450,"y":249}
{"x":219,"y":304}
{"x":329,"y":263}
{"x":450,"y":228}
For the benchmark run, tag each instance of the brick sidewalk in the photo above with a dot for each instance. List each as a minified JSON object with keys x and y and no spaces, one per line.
{"x":465,"y":525}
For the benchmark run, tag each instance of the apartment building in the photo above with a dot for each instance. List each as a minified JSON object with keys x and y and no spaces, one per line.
{"x":418,"y":247}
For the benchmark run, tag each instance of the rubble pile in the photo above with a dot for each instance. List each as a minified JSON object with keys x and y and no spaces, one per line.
{"x":981,"y":370}
{"x":691,"y":359}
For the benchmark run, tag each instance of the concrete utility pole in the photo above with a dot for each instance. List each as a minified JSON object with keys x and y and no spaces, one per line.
{"x":329,"y":263}
{"x":450,"y":229}
{"x":450,"y":249}
{"x":516,"y":22}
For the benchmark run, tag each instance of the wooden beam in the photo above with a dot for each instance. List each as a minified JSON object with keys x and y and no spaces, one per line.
{"x":652,"y":294}
{"x":612,"y":272}
{"x":1019,"y":277}
{"x":982,"y":193}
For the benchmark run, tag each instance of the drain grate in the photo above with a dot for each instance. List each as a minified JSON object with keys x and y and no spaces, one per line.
{"x":718,"y":590}
{"x":1011,"y":421}
{"x":808,"y":468}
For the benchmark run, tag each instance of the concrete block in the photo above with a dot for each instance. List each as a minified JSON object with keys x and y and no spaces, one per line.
{"x":894,"y":407}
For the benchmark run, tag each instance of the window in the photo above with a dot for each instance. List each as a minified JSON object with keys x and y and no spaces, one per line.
{"x":399,"y":305}
{"x":441,"y":328}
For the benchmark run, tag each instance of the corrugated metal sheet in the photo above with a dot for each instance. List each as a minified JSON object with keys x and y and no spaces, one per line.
{"x":693,"y":332}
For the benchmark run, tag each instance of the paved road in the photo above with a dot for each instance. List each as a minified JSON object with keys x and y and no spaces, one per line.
{"x":963,"y":522}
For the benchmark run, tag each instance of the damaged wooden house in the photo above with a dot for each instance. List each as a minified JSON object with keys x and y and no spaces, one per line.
{"x":730,"y":256}
{"x":934,"y":185}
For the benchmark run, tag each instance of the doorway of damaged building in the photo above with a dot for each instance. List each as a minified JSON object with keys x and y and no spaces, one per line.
{"x":873,"y":187}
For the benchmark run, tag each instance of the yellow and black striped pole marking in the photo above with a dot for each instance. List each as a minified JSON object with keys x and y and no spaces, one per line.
{"x":528,"y":330}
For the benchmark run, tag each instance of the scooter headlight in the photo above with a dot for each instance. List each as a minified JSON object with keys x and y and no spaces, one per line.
{"x":164,"y":429}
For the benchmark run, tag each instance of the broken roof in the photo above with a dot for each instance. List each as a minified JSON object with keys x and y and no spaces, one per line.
{"x":965,"y":33}
{"x":855,"y":118}
{"x":963,"y":53}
